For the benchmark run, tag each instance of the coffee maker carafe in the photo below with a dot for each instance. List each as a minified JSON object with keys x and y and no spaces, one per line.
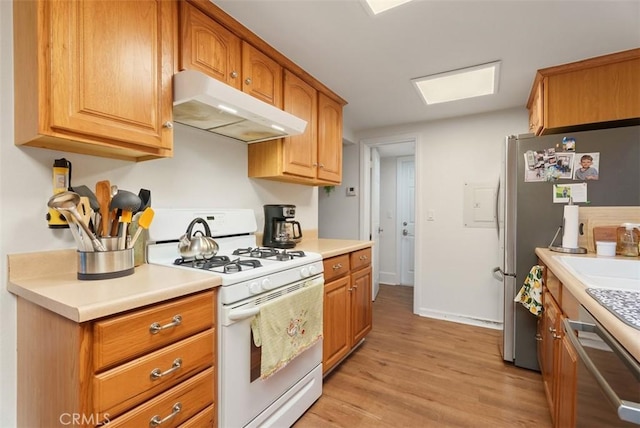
{"x":279,"y":230}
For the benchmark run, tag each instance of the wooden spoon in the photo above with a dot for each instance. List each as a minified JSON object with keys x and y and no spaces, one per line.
{"x":103,"y":193}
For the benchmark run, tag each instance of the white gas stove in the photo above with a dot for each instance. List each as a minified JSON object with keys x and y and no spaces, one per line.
{"x":252,"y":278}
{"x":246,"y":270}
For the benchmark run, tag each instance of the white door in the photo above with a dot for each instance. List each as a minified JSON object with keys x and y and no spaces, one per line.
{"x":406,"y":218}
{"x":375,"y":220}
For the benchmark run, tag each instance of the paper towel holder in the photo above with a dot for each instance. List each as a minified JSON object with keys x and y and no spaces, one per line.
{"x":561,"y":249}
{"x":552,"y":247}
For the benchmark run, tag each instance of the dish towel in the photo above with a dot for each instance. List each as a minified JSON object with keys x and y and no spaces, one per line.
{"x":530,"y":295}
{"x":287,"y":326}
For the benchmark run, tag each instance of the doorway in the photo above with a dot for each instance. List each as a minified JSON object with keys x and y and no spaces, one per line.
{"x":384,"y":226}
{"x":405,"y":237}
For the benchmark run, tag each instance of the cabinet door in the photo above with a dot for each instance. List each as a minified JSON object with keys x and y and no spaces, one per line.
{"x":361,"y":308}
{"x":111,"y":70}
{"x":567,"y":377}
{"x":550,"y":324}
{"x":329,"y":139}
{"x":209,"y":47}
{"x":261,"y":76}
{"x":301,"y":151}
{"x":536,"y":109}
{"x":336,"y":322}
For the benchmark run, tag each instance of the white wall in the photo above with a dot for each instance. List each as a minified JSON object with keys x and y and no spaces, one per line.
{"x":339,"y":214}
{"x":206,"y":171}
{"x":453,"y":267}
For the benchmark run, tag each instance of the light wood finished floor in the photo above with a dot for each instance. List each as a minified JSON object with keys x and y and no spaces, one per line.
{"x":419,"y":372}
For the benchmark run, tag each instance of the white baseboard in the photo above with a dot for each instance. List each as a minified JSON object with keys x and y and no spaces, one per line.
{"x":388,"y":278}
{"x":461,"y":319}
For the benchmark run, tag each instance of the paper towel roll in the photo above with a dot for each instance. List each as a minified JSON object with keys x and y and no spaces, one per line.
{"x":571,"y":226}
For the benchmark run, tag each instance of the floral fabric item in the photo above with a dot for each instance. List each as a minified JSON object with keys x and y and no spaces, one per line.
{"x":530,"y":295}
{"x":287,"y":326}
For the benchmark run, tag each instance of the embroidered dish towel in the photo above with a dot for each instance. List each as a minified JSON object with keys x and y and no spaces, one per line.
{"x":287,"y":326}
{"x":530,"y":295}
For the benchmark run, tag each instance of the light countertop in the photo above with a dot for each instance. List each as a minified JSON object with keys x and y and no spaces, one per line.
{"x":628,"y":336}
{"x":49,"y":279}
{"x":332,"y":247}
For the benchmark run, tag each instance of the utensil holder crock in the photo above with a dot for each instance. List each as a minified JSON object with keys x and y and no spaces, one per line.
{"x":93,"y":265}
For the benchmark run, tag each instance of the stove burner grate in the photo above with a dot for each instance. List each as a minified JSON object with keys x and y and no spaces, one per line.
{"x":268,"y":253}
{"x":214,"y":263}
{"x":200,"y":263}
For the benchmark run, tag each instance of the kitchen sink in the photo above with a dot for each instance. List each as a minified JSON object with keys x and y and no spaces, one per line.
{"x":599,"y":272}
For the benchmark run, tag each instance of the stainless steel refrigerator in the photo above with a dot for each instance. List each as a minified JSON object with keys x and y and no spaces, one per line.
{"x":528,"y":218}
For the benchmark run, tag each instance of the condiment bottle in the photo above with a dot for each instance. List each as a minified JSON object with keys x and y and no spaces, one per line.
{"x":628,"y":241}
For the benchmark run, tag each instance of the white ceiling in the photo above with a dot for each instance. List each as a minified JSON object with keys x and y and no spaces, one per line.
{"x":370,"y":60}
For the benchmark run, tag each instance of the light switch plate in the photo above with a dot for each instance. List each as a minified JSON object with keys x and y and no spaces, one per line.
{"x":352,"y":191}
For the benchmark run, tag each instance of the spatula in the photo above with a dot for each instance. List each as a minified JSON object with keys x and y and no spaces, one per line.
{"x":144,"y":221}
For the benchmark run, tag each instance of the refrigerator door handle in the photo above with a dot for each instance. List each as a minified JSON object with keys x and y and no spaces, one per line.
{"x":497,"y":216}
{"x":499,"y":274}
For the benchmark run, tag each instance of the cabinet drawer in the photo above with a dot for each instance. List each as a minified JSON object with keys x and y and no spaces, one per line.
{"x":335,"y":267}
{"x":127,"y":336}
{"x":360,"y":258}
{"x":127,"y":385}
{"x":206,"y":418}
{"x":183,"y":401}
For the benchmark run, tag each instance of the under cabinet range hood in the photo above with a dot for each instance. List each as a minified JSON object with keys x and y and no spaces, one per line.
{"x":206,"y":103}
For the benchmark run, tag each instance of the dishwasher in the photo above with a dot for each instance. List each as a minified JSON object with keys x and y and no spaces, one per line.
{"x":608,"y":377}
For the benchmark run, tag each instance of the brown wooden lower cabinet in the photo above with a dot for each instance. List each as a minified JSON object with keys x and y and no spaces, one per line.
{"x":557,"y":357}
{"x":347,"y":305}
{"x":132,"y":369}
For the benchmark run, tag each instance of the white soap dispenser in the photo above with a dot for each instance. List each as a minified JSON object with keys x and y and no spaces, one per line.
{"x":628,"y":242}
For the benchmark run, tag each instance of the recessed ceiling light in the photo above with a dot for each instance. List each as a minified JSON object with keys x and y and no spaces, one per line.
{"x":375,"y":7}
{"x":459,"y":84}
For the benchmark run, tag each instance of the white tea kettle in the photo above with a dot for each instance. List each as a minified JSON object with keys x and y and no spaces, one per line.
{"x":197,"y":244}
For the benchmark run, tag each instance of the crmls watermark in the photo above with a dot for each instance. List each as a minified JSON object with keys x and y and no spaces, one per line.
{"x":82,"y":419}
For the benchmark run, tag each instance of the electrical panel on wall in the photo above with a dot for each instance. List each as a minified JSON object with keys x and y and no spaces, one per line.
{"x":480,"y":205}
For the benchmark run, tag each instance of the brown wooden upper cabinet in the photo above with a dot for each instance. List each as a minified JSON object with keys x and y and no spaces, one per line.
{"x":599,"y":92}
{"x":214,"y":43}
{"x":208,"y":47}
{"x":94,"y":79}
{"x":314,"y":157}
{"x":261,"y":76}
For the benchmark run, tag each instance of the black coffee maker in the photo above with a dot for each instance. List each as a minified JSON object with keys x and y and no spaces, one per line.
{"x":279,"y":230}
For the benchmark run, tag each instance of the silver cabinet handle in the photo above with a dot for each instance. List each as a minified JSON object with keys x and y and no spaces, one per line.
{"x":247,"y":80}
{"x":168,"y":125}
{"x":156,"y":421}
{"x":321,"y":165}
{"x":338,"y":266}
{"x":156,"y":328}
{"x":234,"y":74}
{"x":157,"y":373}
{"x":627,"y":410}
{"x":553,"y":331}
{"x":363,"y":257}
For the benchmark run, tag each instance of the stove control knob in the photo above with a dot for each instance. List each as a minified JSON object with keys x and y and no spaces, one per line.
{"x":312,"y":270}
{"x":266,"y":284}
{"x":304,"y":272}
{"x":254,"y":287}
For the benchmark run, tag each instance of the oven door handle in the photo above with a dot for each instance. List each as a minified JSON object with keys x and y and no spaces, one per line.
{"x":241,"y":314}
{"x":627,"y":410}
